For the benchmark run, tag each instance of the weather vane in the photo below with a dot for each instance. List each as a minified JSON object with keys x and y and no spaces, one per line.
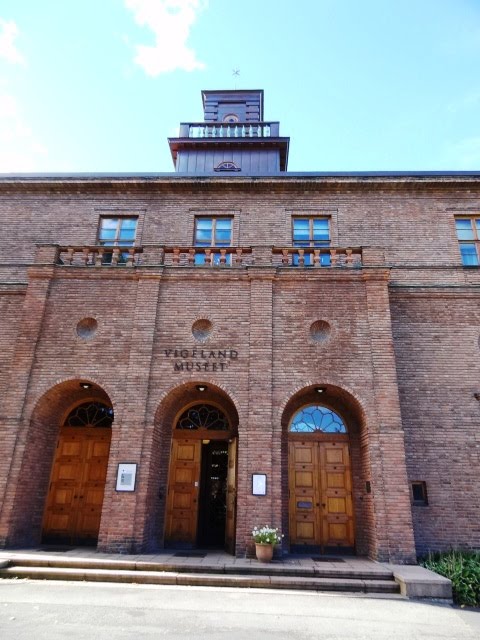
{"x":235,"y":74}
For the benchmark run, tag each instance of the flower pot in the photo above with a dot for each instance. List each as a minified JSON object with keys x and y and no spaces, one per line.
{"x":264,"y":551}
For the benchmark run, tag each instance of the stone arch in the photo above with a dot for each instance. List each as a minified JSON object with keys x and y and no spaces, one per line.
{"x":39,"y":440}
{"x":348,"y":406}
{"x":171,"y":405}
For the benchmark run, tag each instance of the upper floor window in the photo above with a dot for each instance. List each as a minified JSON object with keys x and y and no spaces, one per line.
{"x":212,"y":232}
{"x":117,"y":232}
{"x":311,"y":233}
{"x":468,"y":233}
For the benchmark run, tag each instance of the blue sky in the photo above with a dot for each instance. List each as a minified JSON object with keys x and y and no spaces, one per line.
{"x":358,"y":85}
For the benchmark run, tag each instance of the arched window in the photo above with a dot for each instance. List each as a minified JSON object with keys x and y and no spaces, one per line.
{"x":227,"y":165}
{"x":90,"y":414}
{"x":315,"y":418}
{"x":203,"y":416}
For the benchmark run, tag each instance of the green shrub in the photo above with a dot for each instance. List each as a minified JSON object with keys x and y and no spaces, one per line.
{"x":463,"y":569}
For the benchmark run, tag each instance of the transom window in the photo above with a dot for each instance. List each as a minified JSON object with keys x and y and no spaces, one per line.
{"x":212,"y":232}
{"x":227,"y":165}
{"x":316,"y":418}
{"x":117,"y":232}
{"x":314,"y":233}
{"x":468,"y":234}
{"x":90,"y":414}
{"x":203,"y":416}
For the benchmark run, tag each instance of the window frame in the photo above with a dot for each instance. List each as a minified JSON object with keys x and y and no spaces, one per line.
{"x":311,"y":243}
{"x":475,"y":241}
{"x":116,"y":241}
{"x":311,"y":240}
{"x":109,"y":245}
{"x":214,"y":220}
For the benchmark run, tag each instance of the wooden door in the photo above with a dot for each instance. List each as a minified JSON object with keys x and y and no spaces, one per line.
{"x":231,"y":496}
{"x":77,"y":485}
{"x":183,"y":489}
{"x":320,"y":509}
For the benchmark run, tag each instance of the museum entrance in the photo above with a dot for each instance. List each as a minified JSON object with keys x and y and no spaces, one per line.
{"x":77,"y":481}
{"x":320,"y":482}
{"x":201,"y":501}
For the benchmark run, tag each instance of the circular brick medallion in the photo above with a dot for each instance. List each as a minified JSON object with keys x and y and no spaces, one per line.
{"x":87,"y":328}
{"x":320,"y":331}
{"x":201,"y":329}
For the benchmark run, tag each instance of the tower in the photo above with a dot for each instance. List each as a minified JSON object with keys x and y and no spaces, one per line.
{"x":233,"y":137}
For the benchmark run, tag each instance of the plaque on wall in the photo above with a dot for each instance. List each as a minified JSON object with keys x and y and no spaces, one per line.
{"x":259,"y":484}
{"x":126,"y":476}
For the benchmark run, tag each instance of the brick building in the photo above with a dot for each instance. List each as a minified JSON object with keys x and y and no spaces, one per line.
{"x":187,"y":355}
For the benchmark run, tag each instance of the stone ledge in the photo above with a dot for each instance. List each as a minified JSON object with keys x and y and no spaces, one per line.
{"x":418,"y":582}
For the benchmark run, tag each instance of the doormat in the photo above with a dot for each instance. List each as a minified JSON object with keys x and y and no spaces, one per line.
{"x":189,"y":554}
{"x":321,"y":559}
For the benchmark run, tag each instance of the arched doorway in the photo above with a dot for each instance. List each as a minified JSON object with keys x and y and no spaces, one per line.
{"x":201,"y":501}
{"x":320,"y":481}
{"x":77,"y":481}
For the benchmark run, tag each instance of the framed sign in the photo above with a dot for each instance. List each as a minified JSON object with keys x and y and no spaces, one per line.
{"x":259,"y":484}
{"x":126,"y":476}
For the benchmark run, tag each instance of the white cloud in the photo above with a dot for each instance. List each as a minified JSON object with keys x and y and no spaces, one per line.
{"x":20,"y":151}
{"x":171,"y":22}
{"x":8,"y":49}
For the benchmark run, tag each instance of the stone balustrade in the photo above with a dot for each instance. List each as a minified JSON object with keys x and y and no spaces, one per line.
{"x":215,"y":257}
{"x":98,"y":256}
{"x":317,"y":257}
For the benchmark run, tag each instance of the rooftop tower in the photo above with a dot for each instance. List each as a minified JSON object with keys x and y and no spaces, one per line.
{"x":233,"y":137}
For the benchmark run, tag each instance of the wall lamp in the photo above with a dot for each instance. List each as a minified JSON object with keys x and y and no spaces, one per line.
{"x":201,"y":387}
{"x":85,"y":385}
{"x":320,"y":389}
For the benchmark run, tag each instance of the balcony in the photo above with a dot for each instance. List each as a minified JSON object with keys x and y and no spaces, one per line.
{"x":229,"y":130}
{"x":317,"y":257}
{"x":98,"y":256}
{"x":208,"y":257}
{"x":212,"y":257}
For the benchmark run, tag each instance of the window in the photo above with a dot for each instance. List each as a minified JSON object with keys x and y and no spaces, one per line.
{"x":212,"y":232}
{"x":316,"y":418}
{"x":117,"y":232}
{"x":227,"y":166}
{"x":419,"y":493}
{"x":311,"y":233}
{"x":468,"y":234}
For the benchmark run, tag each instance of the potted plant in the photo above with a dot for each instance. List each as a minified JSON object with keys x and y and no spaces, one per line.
{"x":265,"y":539}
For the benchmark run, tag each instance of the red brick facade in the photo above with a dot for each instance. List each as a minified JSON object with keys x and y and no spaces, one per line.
{"x":401,"y":362}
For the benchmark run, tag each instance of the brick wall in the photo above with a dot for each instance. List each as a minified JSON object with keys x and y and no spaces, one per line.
{"x":404,"y":425}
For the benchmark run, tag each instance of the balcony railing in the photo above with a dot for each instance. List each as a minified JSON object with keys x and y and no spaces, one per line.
{"x":98,"y":256}
{"x":214,"y":257}
{"x":317,"y":257}
{"x":229,"y":130}
{"x":208,"y":256}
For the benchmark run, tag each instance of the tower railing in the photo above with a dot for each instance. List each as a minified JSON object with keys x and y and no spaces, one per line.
{"x":229,"y":130}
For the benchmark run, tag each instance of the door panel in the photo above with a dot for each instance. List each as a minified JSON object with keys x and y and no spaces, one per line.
{"x":77,"y":485}
{"x":321,"y":512}
{"x":231,"y":496}
{"x":183,"y":488}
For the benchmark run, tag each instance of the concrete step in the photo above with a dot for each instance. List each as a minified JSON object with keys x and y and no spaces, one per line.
{"x":239,"y":568}
{"x":172,"y":577}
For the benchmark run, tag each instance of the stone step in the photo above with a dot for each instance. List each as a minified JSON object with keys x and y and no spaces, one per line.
{"x":171,"y":577}
{"x":239,"y":568}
